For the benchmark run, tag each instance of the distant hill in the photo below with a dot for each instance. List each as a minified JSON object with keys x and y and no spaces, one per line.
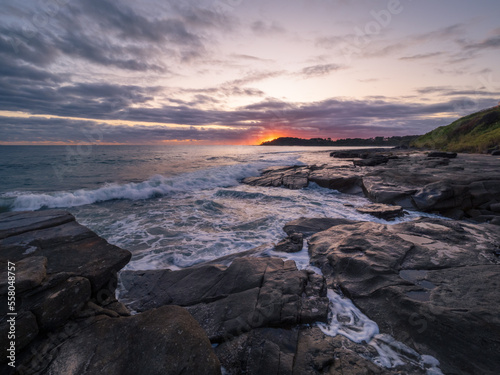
{"x":377,"y":141}
{"x":472,"y":133}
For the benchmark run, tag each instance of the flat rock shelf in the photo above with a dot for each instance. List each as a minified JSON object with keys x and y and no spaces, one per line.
{"x":428,"y":289}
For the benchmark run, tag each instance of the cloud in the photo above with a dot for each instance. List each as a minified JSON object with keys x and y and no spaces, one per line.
{"x":422,"y":56}
{"x":249,"y":57}
{"x":334,"y":118}
{"x":489,"y":43}
{"x":74,"y":131}
{"x":320,"y":70}
{"x":450,"y":91}
{"x":266,"y":28}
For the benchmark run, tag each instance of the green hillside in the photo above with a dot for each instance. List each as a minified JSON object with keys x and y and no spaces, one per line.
{"x":472,"y":133}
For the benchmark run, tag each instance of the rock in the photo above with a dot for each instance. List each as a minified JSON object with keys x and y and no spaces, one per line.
{"x":382,"y":211}
{"x":491,"y":149}
{"x":295,"y":177}
{"x":54,"y":306}
{"x":350,"y":154}
{"x":412,"y":181}
{"x":309,"y":226}
{"x":371,"y":161}
{"x":379,"y":190}
{"x":26,"y":330}
{"x":495,"y":153}
{"x":437,"y":154}
{"x":67,"y":245}
{"x":321,"y":354}
{"x":345,"y":180}
{"x":60,"y":266}
{"x":228,"y":301}
{"x":14,"y":223}
{"x":431,"y":283}
{"x":261,"y":351}
{"x":29,"y":272}
{"x":292,"y":244}
{"x":161,"y":341}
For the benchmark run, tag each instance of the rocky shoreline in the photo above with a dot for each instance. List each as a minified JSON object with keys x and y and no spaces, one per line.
{"x":463,"y":187}
{"x":431,"y":286}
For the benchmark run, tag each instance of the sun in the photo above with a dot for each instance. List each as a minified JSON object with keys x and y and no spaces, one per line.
{"x":269,"y":137}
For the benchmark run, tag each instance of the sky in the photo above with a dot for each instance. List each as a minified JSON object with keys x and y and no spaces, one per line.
{"x":241,"y":71}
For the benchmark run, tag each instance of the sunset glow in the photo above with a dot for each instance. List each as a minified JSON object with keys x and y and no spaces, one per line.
{"x":241,"y":72}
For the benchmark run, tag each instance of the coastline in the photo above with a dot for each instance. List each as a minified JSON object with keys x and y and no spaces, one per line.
{"x":406,"y":276}
{"x":463,"y":187}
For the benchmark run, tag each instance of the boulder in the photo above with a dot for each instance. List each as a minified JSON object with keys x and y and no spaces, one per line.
{"x":495,"y":152}
{"x":431,"y":283}
{"x":228,"y":301}
{"x":382,"y":211}
{"x":161,"y":341}
{"x":292,"y":244}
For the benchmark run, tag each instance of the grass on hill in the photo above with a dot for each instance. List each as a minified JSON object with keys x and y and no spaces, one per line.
{"x":473,"y":133}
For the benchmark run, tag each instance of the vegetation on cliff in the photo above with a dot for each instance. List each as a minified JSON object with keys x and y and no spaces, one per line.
{"x":473,"y":133}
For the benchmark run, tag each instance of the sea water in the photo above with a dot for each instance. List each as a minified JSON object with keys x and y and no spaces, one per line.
{"x":177,"y":206}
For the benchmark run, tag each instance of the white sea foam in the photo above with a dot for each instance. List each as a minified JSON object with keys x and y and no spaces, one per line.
{"x":156,"y":186}
{"x":346,"y":319}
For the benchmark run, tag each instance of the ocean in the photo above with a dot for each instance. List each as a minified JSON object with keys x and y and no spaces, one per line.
{"x":171,"y":206}
{"x":178,"y":206}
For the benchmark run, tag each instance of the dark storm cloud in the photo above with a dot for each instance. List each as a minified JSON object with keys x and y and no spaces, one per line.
{"x":109,"y":34}
{"x":93,"y":100}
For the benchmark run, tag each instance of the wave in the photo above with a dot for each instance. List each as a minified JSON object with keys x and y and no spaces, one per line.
{"x":156,"y":186}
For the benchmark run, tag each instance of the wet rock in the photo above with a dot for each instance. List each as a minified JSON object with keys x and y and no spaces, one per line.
{"x":14,"y":223}
{"x":412,"y":181}
{"x":228,"y":301}
{"x":321,"y":354}
{"x":161,"y":341}
{"x":292,"y":244}
{"x":382,"y":190}
{"x":438,"y":154}
{"x":67,"y":245}
{"x":431,"y":283}
{"x":261,"y":351}
{"x":309,"y":226}
{"x":495,"y":152}
{"x":290,"y":177}
{"x":382,"y":211}
{"x":60,"y":266}
{"x":345,"y":180}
